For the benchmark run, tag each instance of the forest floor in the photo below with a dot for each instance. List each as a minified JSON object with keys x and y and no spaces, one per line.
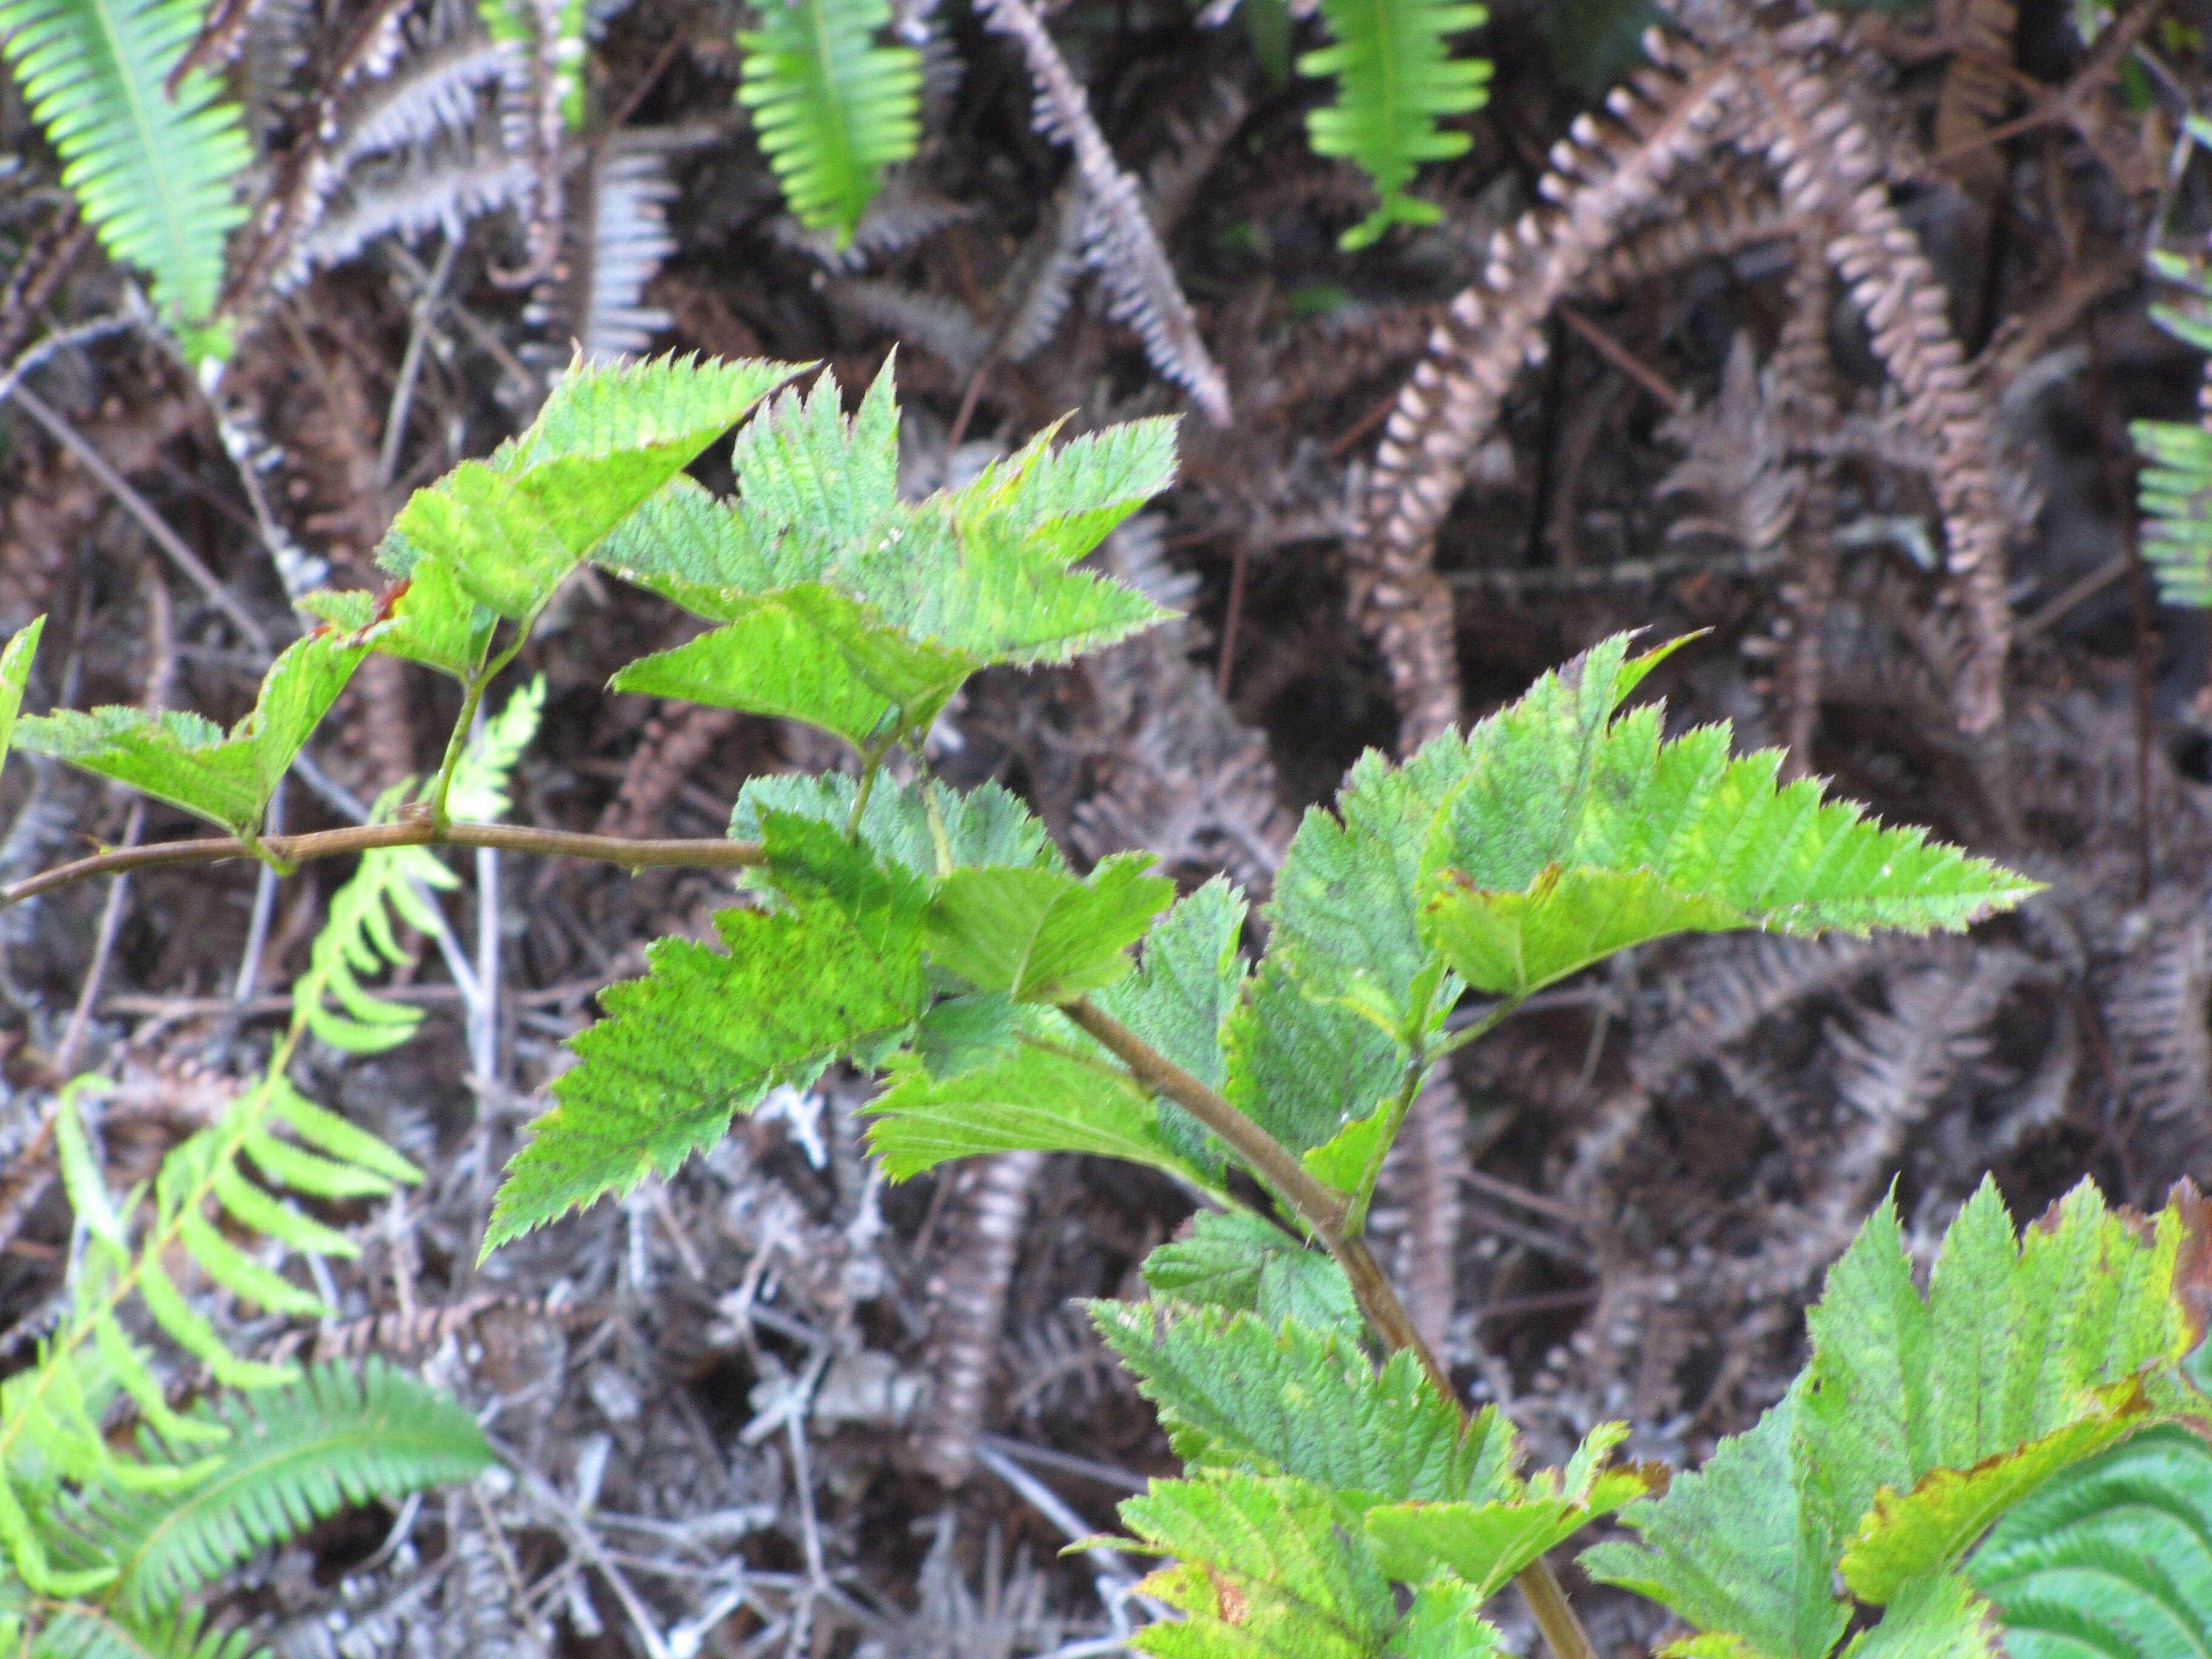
{"x":775,"y":1405}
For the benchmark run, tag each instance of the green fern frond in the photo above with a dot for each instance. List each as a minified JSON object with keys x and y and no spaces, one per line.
{"x":514,"y":24}
{"x":2175,"y":490}
{"x":97,"y":1631}
{"x":154,"y":174}
{"x":293,"y":1456}
{"x":51,"y":1415}
{"x":833,"y":108}
{"x":1395,"y":76}
{"x":358,"y":937}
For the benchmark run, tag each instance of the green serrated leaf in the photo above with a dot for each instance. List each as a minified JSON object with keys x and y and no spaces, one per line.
{"x":1514,"y":943}
{"x":16,"y":673}
{"x":1040,"y":935}
{"x":434,"y":620}
{"x":1443,"y":1622}
{"x":1308,"y":1286}
{"x":1219,"y":1263}
{"x":704,"y":1036}
{"x":1935,"y":1617}
{"x":1730,"y":1548}
{"x":1557,"y":786}
{"x":191,"y":762}
{"x":1948,"y":1509}
{"x":807,"y":653}
{"x":511,"y":529}
{"x":1190,"y":976}
{"x":965,"y":1034}
{"x":882,"y":901}
{"x":1485,"y":1545}
{"x":1262,"y":1569}
{"x":1303,"y":1066}
{"x":987,"y":825}
{"x":694,"y":550}
{"x":1349,"y":891}
{"x":1040,"y":1098}
{"x":1234,"y":1390}
{"x":1348,"y":1160}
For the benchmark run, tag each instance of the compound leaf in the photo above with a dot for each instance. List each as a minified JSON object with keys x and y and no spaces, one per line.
{"x":1041,"y":934}
{"x":707,"y":1033}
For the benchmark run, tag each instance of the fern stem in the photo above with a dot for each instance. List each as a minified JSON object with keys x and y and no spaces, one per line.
{"x":1324,"y":1210}
{"x":703,"y":854}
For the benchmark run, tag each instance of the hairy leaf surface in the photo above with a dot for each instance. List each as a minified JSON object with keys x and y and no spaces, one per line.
{"x":704,"y":1037}
{"x":1236,"y":1391}
{"x":2112,"y":1557}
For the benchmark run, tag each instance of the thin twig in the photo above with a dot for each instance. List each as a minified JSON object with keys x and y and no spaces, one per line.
{"x":1622,"y":359}
{"x":264,"y":908}
{"x":700,"y":854}
{"x":149,"y":520}
{"x":111,"y":922}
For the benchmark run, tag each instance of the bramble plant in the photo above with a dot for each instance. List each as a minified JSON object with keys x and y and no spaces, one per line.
{"x":1340,"y":1498}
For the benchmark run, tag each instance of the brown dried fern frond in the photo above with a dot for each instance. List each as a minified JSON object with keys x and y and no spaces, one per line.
{"x":1830,"y":168}
{"x":2155,"y":1010}
{"x":1602,"y":179}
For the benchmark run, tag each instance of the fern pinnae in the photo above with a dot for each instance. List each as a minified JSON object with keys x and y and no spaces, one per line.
{"x":358,"y":937}
{"x":833,"y":109}
{"x":154,"y":173}
{"x":1395,"y":76}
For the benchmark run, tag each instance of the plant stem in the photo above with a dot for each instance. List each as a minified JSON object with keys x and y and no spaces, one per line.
{"x":1324,"y":1210}
{"x":456,"y":745}
{"x":1555,"y":1616}
{"x":700,"y":854}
